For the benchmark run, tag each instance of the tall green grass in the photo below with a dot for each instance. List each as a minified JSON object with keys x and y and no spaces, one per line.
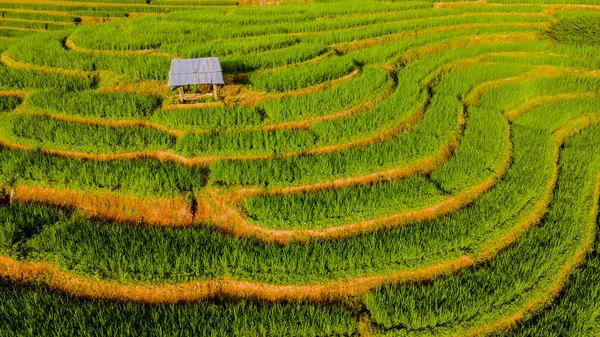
{"x":576,"y":311}
{"x":305,"y":76}
{"x":8,"y":103}
{"x":94,"y":104}
{"x":577,"y":28}
{"x":142,"y":177}
{"x":41,"y":131}
{"x":36,"y":311}
{"x":29,"y":79}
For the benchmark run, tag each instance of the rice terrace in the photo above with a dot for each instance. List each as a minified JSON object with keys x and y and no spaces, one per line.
{"x":291,"y":168}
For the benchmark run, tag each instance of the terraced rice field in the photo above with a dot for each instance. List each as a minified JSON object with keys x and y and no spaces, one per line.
{"x":370,"y":168}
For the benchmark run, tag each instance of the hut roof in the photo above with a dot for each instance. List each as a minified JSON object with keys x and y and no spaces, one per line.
{"x":205,"y":70}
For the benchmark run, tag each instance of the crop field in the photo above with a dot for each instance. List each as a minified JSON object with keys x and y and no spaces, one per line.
{"x":369,"y":168}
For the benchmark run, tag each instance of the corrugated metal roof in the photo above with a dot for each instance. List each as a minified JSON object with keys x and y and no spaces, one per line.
{"x":205,"y":70}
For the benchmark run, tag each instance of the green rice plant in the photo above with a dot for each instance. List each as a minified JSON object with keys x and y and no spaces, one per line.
{"x":202,"y":3}
{"x":303,"y":76}
{"x":39,"y":16}
{"x":272,"y":58}
{"x":577,"y":2}
{"x":244,"y":143}
{"x":389,"y":113}
{"x":209,"y":118}
{"x":212,"y":24}
{"x":348,"y":205}
{"x":370,"y":83}
{"x":49,"y":50}
{"x":552,"y":116}
{"x":142,"y":177}
{"x":388,"y":28}
{"x":169,"y":255}
{"x":38,"y":311}
{"x":8,"y":103}
{"x":100,"y":14}
{"x":116,"y":1}
{"x":20,"y":222}
{"x":473,"y":298}
{"x":84,"y":6}
{"x":479,"y":157}
{"x":94,"y":104}
{"x":575,"y":312}
{"x":439,"y":125}
{"x":30,"y":79}
{"x":36,"y":25}
{"x":576,"y":28}
{"x":13,"y":33}
{"x":42,"y":131}
{"x":235,"y":46}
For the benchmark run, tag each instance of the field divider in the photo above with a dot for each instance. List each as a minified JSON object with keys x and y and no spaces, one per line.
{"x":158,"y":211}
{"x":552,"y":8}
{"x":17,"y":93}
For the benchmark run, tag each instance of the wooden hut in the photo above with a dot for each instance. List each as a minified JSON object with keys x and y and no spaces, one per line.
{"x":205,"y":70}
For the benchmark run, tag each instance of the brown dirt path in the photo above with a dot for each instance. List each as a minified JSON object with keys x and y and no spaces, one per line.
{"x":16,"y":93}
{"x":106,"y":205}
{"x":551,"y":9}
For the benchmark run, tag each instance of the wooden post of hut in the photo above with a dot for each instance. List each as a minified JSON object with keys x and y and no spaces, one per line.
{"x":205,"y":70}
